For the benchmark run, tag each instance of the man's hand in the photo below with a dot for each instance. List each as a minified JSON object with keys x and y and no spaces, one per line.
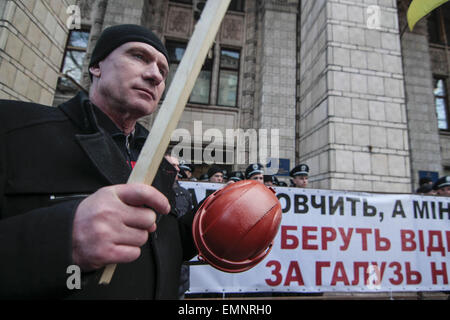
{"x":111,"y":225}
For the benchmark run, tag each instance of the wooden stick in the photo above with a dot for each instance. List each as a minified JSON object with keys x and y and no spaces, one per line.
{"x":176,"y":98}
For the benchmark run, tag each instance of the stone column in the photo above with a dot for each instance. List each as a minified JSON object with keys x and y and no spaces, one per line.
{"x":420,"y":107}
{"x":276,"y":77}
{"x":353,"y":126}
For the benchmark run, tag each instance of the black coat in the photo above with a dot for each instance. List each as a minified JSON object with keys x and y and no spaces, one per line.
{"x":50,"y":159}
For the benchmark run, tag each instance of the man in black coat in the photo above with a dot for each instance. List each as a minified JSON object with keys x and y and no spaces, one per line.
{"x":64,"y":201}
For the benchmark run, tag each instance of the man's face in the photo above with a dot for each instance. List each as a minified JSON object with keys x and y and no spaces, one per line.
{"x":258,"y":177}
{"x":444,"y":191}
{"x":217,"y":177}
{"x":300,"y":181}
{"x":131,"y":79}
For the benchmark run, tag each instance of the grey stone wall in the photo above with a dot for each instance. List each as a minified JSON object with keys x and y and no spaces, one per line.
{"x":421,"y":110}
{"x":277,"y":73}
{"x":32,"y":39}
{"x":353,"y":128}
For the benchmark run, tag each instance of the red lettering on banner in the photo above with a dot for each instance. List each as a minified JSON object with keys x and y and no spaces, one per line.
{"x":421,"y":241}
{"x":381,"y":243}
{"x":398,"y":267}
{"x":319,"y":266}
{"x":440,"y":245}
{"x":345,"y":237}
{"x":294,"y":274}
{"x":412,"y":277}
{"x":439,"y":272}
{"x":339,"y":274}
{"x":276,"y":272}
{"x":435,"y":241}
{"x":407,"y":240}
{"x":306,"y":237}
{"x":447,"y":233}
{"x":288,"y":241}
{"x":328,"y":234}
{"x":361,"y":266}
{"x":364,"y":232}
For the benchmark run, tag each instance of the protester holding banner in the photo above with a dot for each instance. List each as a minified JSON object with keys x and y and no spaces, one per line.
{"x":341,"y":241}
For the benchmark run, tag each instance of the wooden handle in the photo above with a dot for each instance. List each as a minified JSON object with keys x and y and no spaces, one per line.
{"x":176,"y":98}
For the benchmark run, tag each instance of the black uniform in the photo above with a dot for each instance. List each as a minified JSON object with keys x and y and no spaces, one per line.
{"x":50,"y":159}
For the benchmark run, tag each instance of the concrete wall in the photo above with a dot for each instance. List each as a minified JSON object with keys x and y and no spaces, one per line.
{"x":33,"y":35}
{"x":353,"y":126}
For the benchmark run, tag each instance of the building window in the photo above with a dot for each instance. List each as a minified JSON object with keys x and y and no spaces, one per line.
{"x":201,"y":91}
{"x":73,"y":61}
{"x":235,"y":5}
{"x":441,"y":102}
{"x":439,"y":25}
{"x":228,"y":78}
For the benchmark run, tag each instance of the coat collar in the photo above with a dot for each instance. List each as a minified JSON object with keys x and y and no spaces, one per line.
{"x":97,"y":144}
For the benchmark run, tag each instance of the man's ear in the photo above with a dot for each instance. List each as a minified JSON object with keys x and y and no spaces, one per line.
{"x":95,"y":70}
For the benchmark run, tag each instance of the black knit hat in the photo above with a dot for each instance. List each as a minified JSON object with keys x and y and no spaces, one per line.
{"x":115,"y":36}
{"x":213,"y":170}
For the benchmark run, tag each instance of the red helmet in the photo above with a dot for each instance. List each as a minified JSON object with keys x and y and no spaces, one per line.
{"x":235,"y":226}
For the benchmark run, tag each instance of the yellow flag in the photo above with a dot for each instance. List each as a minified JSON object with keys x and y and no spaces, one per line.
{"x":419,"y":9}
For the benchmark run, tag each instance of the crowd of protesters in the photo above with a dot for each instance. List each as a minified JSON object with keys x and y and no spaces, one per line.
{"x":298,"y":178}
{"x":255,"y":171}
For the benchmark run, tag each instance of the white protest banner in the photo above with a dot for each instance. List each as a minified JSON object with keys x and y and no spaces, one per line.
{"x":344,"y":242}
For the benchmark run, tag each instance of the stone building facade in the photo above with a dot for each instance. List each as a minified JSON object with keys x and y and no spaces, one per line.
{"x":349,"y":88}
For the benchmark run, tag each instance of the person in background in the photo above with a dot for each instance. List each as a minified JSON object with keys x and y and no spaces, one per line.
{"x":300,"y":176}
{"x":215,"y":175}
{"x":204,"y":178}
{"x":236,"y":176}
{"x":442,"y":186}
{"x":255,"y":172}
{"x":184,"y":204}
{"x":225,"y":176}
{"x":426,"y":189}
{"x":186,"y":171}
{"x":270,"y":180}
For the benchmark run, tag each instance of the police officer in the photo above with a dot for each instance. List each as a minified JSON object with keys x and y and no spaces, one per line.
{"x":442,"y":186}
{"x":270,"y":180}
{"x":300,"y":175}
{"x":215,"y":175}
{"x":255,"y":172}
{"x":186,"y":171}
{"x":236,"y":176}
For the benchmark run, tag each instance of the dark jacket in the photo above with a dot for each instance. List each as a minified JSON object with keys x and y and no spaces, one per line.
{"x":50,"y":159}
{"x":183,"y":200}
